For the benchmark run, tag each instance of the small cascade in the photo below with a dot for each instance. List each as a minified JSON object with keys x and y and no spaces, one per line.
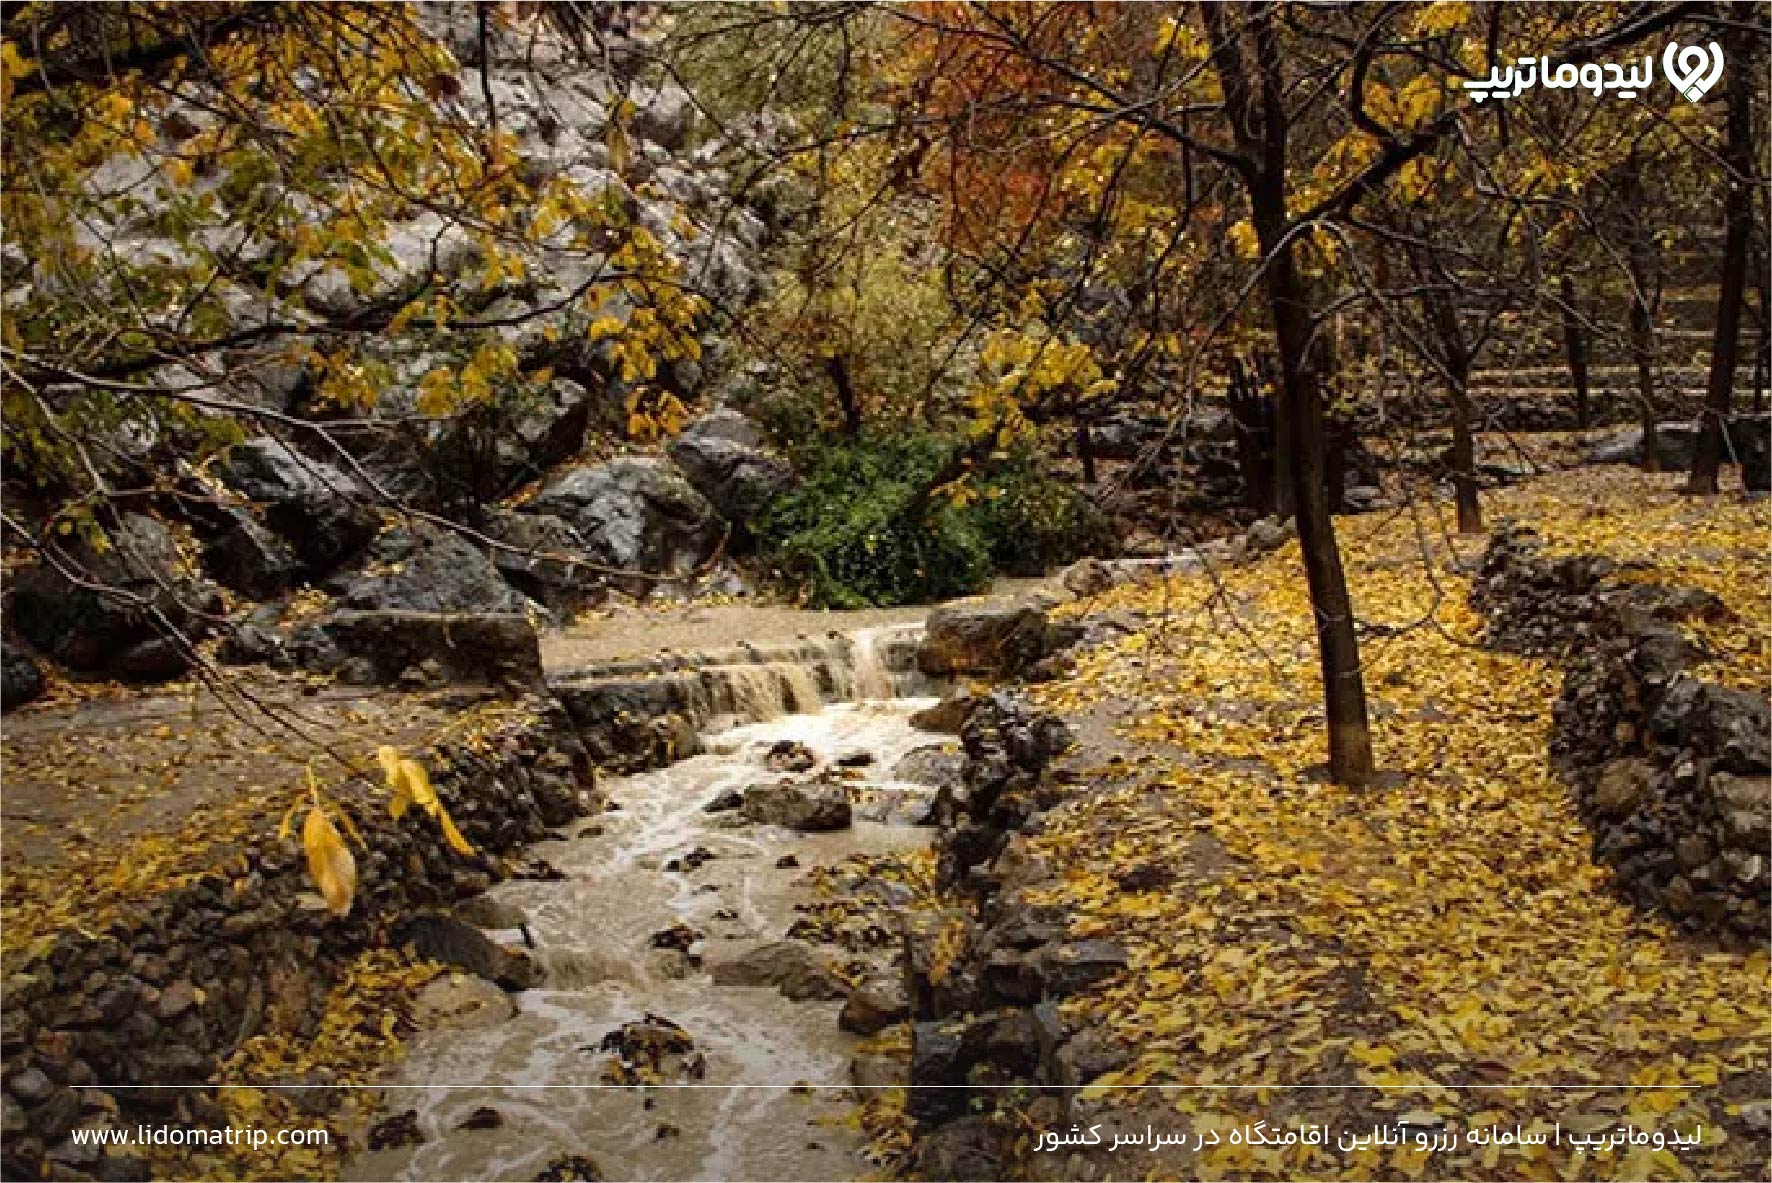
{"x":749,"y":683}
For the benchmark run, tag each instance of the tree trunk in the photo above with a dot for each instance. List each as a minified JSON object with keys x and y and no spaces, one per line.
{"x":1253,"y":414}
{"x":1639,"y":253}
{"x":1455,"y":360}
{"x":1302,"y":420}
{"x":1260,"y":131}
{"x":1086,"y":452}
{"x":1575,"y":346}
{"x":1738,"y":216}
{"x":838,"y":369}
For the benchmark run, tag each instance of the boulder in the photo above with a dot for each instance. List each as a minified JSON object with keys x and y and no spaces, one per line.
{"x":936,"y":765}
{"x":425,"y":569}
{"x":559,"y":585}
{"x":320,"y":511}
{"x":983,"y":637}
{"x":245,"y":557}
{"x":1750,"y":439}
{"x":119,"y":631}
{"x":738,"y":478}
{"x":379,"y":647}
{"x":946,"y":717}
{"x":1675,"y":442}
{"x":665,"y":116}
{"x":438,"y":937}
{"x":20,"y":679}
{"x":806,"y":806}
{"x":874,"y":1005}
{"x":634,"y":513}
{"x":792,"y":967}
{"x":789,"y":755}
{"x":1087,"y":577}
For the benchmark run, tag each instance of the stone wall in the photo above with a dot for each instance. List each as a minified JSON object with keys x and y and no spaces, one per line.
{"x":985,"y":978}
{"x":1669,"y":771}
{"x":167,"y":990}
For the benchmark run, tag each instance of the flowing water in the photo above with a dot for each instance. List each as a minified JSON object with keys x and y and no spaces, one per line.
{"x":536,"y":1059}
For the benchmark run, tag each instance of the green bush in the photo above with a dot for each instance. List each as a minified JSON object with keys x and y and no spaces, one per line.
{"x":1033,"y":522}
{"x":857,"y":531}
{"x":860,"y":530}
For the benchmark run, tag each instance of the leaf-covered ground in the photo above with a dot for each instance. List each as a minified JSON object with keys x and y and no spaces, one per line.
{"x":1444,"y":935}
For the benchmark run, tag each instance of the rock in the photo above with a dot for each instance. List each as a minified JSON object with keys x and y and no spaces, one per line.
{"x":395,"y":1131}
{"x":636,"y":514}
{"x":1267,"y":536}
{"x":806,"y":807}
{"x":118,"y":633}
{"x":974,"y":1147}
{"x":1622,"y":786}
{"x":724,"y":423}
{"x":725,"y":802}
{"x":1076,"y":965}
{"x":786,"y":862}
{"x":790,"y":756}
{"x":376,"y":648}
{"x":1746,"y":807}
{"x":571,"y":1168}
{"x":1087,"y":577}
{"x":1125,"y":437}
{"x":439,"y":937}
{"x":1757,"y":1116}
{"x":937,"y":765}
{"x":874,"y":1005}
{"x":541,"y":565}
{"x":855,"y":759}
{"x":792,"y":967}
{"x":739,"y":479}
{"x":425,"y":569}
{"x":946,"y":717}
{"x":1750,"y":439}
{"x":30,"y":1085}
{"x":322,"y":513}
{"x":1675,"y":443}
{"x":483,"y":911}
{"x":983,"y":637}
{"x":665,"y":116}
{"x":483,"y":1118}
{"x":20,"y":679}
{"x":678,"y":936}
{"x":246,"y":557}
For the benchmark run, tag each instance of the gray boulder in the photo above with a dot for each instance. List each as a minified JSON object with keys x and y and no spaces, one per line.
{"x":556,"y":583}
{"x":635,"y":513}
{"x":245,"y":557}
{"x":385,"y":647}
{"x":118,"y":631}
{"x":319,"y":510}
{"x":1674,"y":442}
{"x":20,"y":679}
{"x":426,"y":569}
{"x":737,"y":476}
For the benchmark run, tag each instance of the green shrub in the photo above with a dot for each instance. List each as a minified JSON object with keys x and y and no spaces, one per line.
{"x":859,"y":530}
{"x":1034,"y":522}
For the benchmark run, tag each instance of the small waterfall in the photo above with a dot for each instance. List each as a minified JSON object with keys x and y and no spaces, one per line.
{"x":749,"y":682}
{"x":871,"y":677}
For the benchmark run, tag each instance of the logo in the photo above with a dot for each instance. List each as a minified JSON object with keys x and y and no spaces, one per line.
{"x":1693,"y":69}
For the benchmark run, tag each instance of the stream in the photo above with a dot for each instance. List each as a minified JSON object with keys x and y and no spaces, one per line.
{"x":537,"y":1058}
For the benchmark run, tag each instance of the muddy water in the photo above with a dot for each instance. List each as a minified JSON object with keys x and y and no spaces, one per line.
{"x":536,"y":1058}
